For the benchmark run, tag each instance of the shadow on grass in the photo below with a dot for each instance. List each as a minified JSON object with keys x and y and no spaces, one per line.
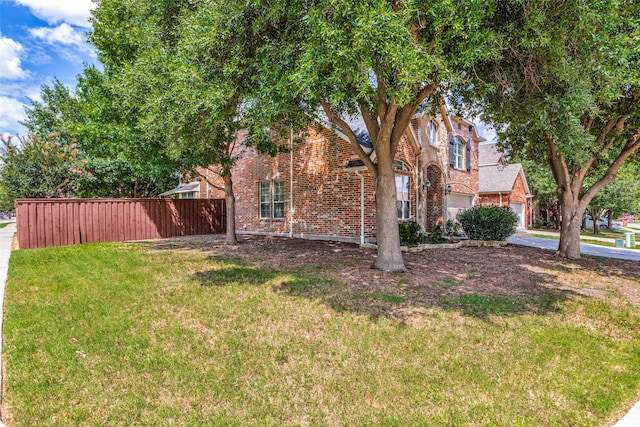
{"x":476,"y":282}
{"x":383,"y":299}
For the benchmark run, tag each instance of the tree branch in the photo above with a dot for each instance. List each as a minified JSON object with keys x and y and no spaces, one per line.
{"x":558,"y":166}
{"x":336,"y":120}
{"x":371,"y":121}
{"x":407,"y":112}
{"x":382,"y":98}
{"x":631,"y":146}
{"x":613,"y":123}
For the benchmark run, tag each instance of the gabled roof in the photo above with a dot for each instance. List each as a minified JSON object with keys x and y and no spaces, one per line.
{"x":489,"y":155}
{"x":182,"y":188}
{"x":357,"y":125}
{"x":500,"y":178}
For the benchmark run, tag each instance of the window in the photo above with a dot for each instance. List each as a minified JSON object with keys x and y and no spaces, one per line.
{"x":458,"y":153}
{"x":399,"y":165}
{"x":278,"y":198}
{"x":188,"y":195}
{"x":272,"y":199}
{"x":265,"y":196}
{"x":403,"y":186}
{"x":432,"y":134}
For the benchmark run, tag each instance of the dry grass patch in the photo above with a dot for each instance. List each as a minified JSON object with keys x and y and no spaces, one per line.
{"x":285,"y":332}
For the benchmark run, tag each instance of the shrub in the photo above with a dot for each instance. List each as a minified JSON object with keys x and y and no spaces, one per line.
{"x":410,"y":233}
{"x":541,"y":223}
{"x":488,"y":223}
{"x":436,"y":235}
{"x":452,"y":227}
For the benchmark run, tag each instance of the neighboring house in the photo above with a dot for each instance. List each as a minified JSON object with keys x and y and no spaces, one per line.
{"x":199,"y":186}
{"x":322,"y":190}
{"x":504,"y":184}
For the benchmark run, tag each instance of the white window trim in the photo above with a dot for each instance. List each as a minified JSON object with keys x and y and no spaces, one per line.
{"x":271,"y":199}
{"x":460,"y":144}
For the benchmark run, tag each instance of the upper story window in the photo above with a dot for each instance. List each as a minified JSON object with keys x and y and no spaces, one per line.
{"x":432,"y":133}
{"x":272,"y":199}
{"x":459,"y":153}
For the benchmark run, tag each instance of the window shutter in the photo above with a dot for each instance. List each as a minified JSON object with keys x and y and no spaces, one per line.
{"x":468,"y":155}
{"x":451,"y":147}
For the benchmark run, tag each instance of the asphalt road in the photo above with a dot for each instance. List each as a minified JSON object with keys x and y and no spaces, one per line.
{"x":585,"y":249}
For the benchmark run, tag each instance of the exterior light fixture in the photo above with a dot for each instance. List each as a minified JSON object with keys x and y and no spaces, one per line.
{"x":448,"y":189}
{"x":426,"y":185}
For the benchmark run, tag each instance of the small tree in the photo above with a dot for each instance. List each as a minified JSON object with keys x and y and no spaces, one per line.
{"x":40,"y":168}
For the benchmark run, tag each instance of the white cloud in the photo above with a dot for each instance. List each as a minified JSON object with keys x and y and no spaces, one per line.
{"x":11,"y":112}
{"x":75,"y":12}
{"x":66,"y":41}
{"x":10,"y":51}
{"x":20,"y":90}
{"x":62,"y":34}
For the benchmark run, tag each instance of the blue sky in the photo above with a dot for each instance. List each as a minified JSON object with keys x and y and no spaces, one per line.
{"x":39,"y":40}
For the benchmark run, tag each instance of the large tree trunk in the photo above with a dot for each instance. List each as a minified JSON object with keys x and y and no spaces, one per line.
{"x":572,"y":213}
{"x":230,"y":199}
{"x":388,"y":236}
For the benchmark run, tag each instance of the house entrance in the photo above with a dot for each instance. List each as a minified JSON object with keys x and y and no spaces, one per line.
{"x":434,"y":197}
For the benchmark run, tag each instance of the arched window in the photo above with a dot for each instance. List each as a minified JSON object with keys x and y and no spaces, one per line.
{"x":403,"y":190}
{"x":459,"y":153}
{"x":432,"y":133}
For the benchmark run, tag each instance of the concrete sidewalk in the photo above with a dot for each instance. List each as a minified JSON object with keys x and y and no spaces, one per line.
{"x":6,"y":238}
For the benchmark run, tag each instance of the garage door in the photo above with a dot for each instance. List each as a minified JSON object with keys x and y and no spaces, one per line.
{"x":518,"y":208}
{"x":457,"y":203}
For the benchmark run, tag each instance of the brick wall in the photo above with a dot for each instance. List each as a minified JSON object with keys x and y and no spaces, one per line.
{"x":326,"y":196}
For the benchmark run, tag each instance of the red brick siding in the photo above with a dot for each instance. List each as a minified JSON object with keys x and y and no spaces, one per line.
{"x":326,"y":196}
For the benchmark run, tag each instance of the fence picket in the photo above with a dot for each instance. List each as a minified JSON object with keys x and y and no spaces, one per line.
{"x":59,"y":222}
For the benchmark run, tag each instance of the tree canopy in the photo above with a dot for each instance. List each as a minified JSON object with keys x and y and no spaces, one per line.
{"x":564,"y":93}
{"x":90,"y":118}
{"x":380,"y":60}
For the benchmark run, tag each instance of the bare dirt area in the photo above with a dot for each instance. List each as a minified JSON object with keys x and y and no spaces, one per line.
{"x":477,"y":281}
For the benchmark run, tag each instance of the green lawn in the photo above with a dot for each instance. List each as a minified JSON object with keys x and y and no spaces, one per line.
{"x":116,"y":334}
{"x":4,"y":224}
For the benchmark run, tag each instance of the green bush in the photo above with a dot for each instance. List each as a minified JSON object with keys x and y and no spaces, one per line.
{"x":488,"y":223}
{"x":410,"y":233}
{"x":452,"y":227}
{"x":435,"y":237}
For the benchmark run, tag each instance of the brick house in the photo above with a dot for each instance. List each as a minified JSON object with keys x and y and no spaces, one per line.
{"x":504,"y":184}
{"x":321,"y":190}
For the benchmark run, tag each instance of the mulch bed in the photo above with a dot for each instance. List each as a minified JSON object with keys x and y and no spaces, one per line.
{"x":532,"y":279}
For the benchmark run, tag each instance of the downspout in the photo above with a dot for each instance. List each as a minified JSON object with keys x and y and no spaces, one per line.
{"x":361,"y":207}
{"x":291,"y":183}
{"x":417,"y":163}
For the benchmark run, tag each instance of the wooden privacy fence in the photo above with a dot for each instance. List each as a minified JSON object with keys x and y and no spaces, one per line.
{"x":58,"y":222}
